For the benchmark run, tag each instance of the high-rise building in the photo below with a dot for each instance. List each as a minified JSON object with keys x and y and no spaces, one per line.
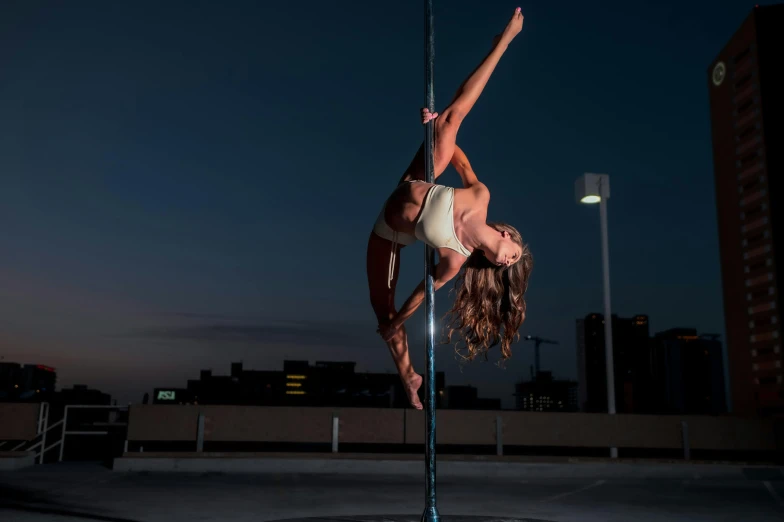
{"x":630,"y":363}
{"x":688,"y":373}
{"x":29,"y":382}
{"x":544,"y":393}
{"x":745,"y":83}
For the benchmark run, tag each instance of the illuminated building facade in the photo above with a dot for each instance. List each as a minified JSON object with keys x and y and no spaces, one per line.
{"x":546,"y":394}
{"x":299,"y":384}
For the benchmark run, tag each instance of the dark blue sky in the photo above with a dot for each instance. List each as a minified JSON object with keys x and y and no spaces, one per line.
{"x":166,"y":168}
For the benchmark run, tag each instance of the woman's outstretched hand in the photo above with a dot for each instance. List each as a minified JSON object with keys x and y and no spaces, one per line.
{"x":427,"y":115}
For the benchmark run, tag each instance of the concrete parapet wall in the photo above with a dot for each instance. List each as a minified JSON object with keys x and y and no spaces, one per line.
{"x":18,"y":420}
{"x":394,"y":426}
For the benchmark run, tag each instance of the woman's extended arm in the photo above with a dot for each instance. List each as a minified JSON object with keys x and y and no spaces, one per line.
{"x":463,"y":167}
{"x":446,"y":269}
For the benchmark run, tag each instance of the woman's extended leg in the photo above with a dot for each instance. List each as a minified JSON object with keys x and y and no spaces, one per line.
{"x":450,"y":118}
{"x":382,"y":297}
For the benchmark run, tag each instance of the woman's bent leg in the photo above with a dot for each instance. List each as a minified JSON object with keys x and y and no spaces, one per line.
{"x":382,"y":298}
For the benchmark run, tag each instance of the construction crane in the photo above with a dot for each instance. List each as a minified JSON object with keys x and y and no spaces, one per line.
{"x":538,"y":341}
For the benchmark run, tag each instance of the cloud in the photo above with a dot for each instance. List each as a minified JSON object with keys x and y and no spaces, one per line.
{"x":213,"y":317}
{"x":302,"y":333}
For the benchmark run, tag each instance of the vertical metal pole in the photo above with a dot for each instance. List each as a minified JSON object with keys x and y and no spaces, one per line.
{"x":40,"y":423}
{"x":43,"y":437}
{"x":62,"y":437}
{"x":499,"y":436}
{"x":335,"y":433}
{"x":200,"y":433}
{"x":608,"y":341}
{"x":431,"y":512}
{"x":685,"y":440}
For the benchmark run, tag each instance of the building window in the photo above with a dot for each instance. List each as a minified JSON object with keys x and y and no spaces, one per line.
{"x":742,"y":81}
{"x":743,"y":108}
{"x":751,"y":185}
{"x":756,"y":238}
{"x":750,"y":171}
{"x":741,"y":55}
{"x":748,"y":131}
{"x":753,"y":197}
{"x":762,"y":307}
{"x":754,"y":224}
{"x":756,"y":252}
{"x":747,"y":118}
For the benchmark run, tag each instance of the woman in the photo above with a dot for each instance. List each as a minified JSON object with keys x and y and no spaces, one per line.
{"x":453,"y":221}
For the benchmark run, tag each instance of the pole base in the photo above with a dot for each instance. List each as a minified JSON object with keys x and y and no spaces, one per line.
{"x":413,"y":518}
{"x":431,"y":515}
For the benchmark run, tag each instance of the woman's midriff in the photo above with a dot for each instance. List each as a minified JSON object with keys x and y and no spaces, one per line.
{"x":405,"y":205}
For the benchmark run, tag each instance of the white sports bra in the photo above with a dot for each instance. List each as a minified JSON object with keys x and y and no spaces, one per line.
{"x":436,"y":224}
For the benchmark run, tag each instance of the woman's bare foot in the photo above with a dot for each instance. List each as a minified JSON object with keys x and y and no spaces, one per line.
{"x":512,"y":29}
{"x":412,"y":385}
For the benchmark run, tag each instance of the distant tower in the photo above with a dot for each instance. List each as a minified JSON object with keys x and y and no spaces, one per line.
{"x":745,"y":84}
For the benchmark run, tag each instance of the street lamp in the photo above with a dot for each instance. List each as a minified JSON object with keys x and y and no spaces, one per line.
{"x":595,"y":188}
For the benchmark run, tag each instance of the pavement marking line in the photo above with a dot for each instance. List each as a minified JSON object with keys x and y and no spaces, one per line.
{"x":562,"y":495}
{"x":773,"y":493}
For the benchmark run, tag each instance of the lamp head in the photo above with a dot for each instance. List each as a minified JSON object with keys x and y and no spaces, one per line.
{"x":591,"y":188}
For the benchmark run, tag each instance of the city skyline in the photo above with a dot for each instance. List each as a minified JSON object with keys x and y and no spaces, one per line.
{"x":204,"y":193}
{"x":633,"y":346}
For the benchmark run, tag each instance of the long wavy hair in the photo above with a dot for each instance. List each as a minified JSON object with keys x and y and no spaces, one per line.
{"x":489,"y":305}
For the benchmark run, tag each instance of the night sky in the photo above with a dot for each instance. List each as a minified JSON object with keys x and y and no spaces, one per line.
{"x":187,"y":184}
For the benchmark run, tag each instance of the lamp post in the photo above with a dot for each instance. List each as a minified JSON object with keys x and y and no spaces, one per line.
{"x":595,"y":188}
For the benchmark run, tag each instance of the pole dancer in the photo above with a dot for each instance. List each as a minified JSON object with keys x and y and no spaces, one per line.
{"x":489,"y":306}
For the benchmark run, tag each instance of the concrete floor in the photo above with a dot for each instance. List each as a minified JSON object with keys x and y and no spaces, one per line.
{"x":83,"y":492}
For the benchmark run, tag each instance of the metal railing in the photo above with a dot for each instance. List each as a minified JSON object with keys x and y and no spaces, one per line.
{"x":65,"y":431}
{"x":38,"y":444}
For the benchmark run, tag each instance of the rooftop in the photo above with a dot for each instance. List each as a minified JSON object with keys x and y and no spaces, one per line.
{"x":541,"y":492}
